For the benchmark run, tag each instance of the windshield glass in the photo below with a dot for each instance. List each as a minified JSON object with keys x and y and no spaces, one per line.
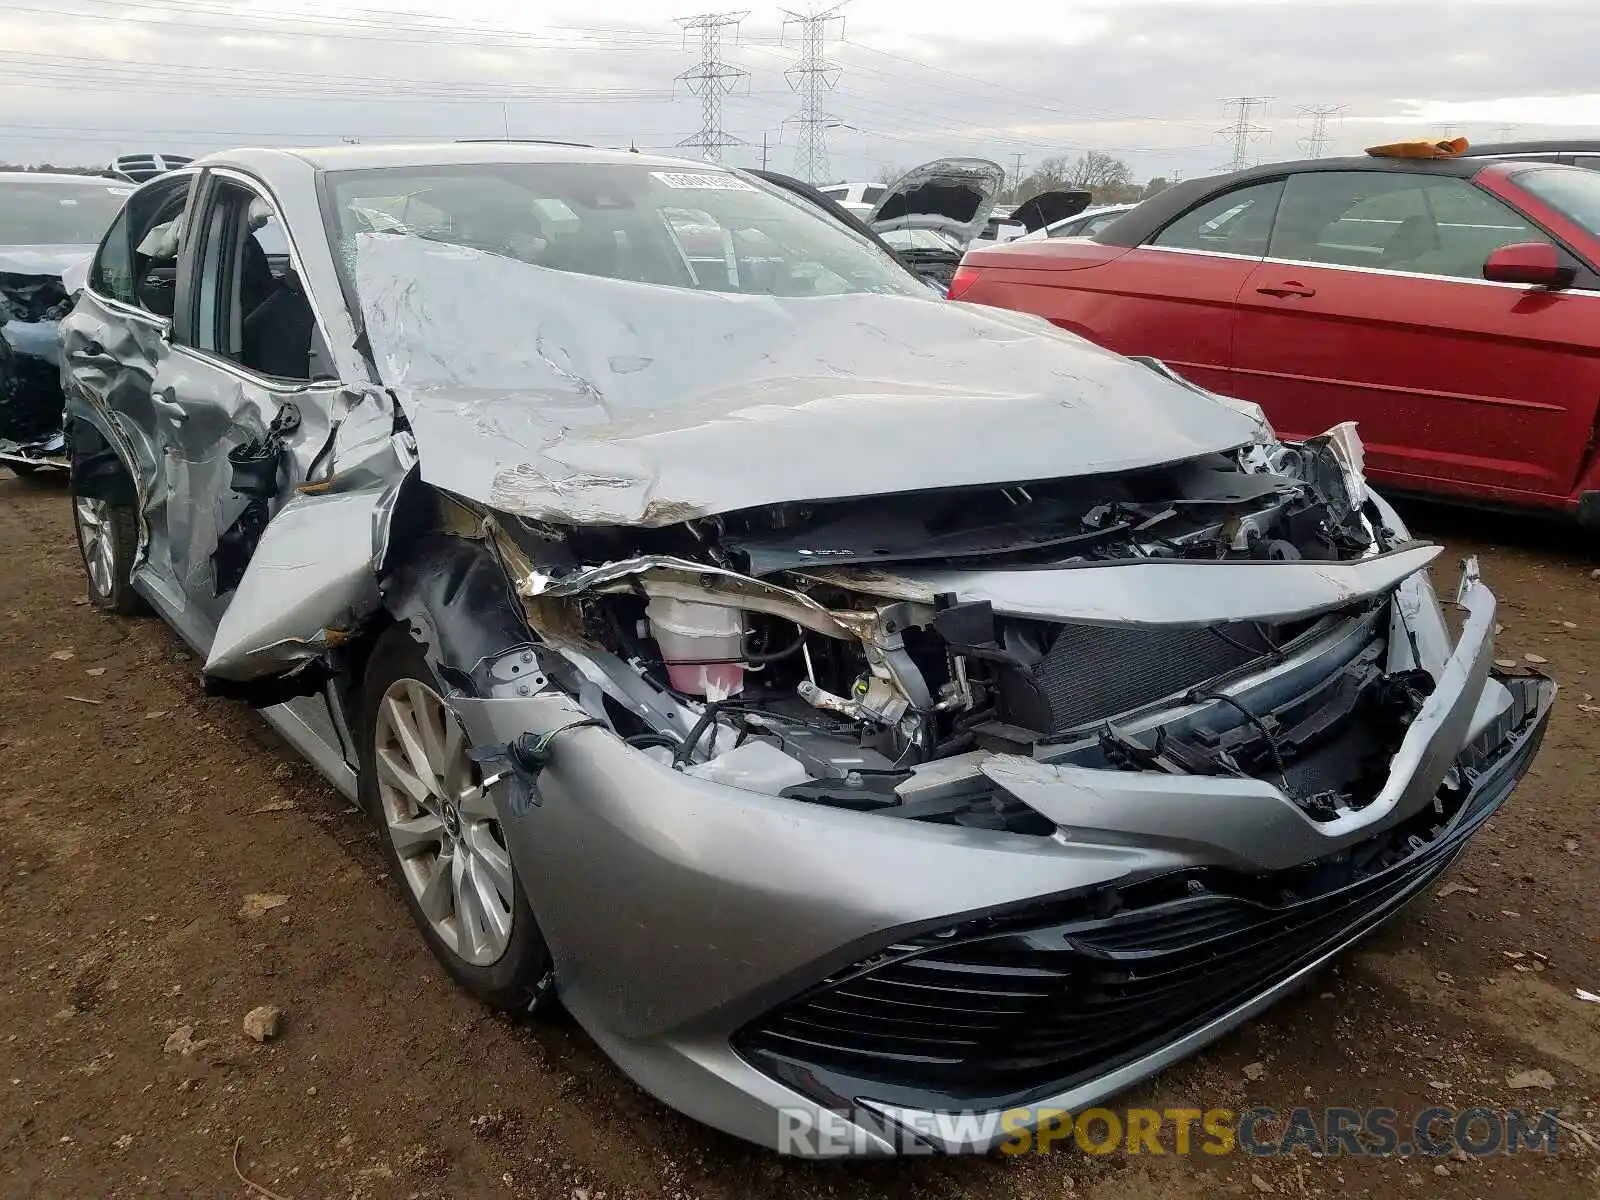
{"x":918,"y":239}
{"x":1571,"y":191}
{"x":689,"y":226}
{"x":45,"y":212}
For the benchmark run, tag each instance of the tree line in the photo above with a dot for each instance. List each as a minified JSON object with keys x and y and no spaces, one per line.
{"x":1103,"y":175}
{"x":1106,"y":177}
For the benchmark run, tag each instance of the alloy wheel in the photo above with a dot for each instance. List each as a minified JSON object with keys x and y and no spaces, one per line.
{"x":97,"y":542}
{"x":442,"y":823}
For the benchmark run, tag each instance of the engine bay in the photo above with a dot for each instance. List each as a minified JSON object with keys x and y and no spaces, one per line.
{"x":804,"y":650}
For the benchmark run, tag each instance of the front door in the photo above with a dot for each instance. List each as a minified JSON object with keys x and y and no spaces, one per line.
{"x":1371,"y":307}
{"x":1173,"y":297}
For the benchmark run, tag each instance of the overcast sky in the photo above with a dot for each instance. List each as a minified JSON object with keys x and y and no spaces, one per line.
{"x":1143,"y":79}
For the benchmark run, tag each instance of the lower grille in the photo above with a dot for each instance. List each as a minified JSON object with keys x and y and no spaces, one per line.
{"x":1009,"y":1012}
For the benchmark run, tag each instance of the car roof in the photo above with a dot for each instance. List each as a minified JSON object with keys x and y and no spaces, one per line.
{"x":1146,"y":218}
{"x":430,"y":154}
{"x":1545,"y":146}
{"x":60,"y":177}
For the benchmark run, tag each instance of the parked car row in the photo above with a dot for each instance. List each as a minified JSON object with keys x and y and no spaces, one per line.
{"x":867,"y":714}
{"x":933,"y":213}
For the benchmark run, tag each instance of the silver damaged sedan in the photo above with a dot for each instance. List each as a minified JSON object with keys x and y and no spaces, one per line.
{"x":877,"y":720}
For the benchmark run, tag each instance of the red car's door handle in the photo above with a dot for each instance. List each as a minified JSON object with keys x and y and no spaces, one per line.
{"x":1289,"y":287}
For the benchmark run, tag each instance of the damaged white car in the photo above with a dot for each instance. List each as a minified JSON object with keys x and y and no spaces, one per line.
{"x":867,"y":714}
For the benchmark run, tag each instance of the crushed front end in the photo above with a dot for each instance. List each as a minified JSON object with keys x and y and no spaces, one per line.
{"x":31,"y":307}
{"x":911,"y":811}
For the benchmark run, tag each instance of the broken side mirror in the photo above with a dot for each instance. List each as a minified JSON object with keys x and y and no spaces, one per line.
{"x":1534,"y":264}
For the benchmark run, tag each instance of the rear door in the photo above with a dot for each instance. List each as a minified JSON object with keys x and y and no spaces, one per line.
{"x":1371,"y":307}
{"x":116,"y":339}
{"x":246,"y":352}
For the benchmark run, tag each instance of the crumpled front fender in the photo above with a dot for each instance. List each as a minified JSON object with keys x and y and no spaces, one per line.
{"x":313,"y":575}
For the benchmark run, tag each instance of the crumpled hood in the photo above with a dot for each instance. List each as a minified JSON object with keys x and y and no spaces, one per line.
{"x":42,"y":260}
{"x":587,"y":400}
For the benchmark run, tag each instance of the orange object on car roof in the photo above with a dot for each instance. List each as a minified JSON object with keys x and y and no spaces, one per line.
{"x":1421,"y":148}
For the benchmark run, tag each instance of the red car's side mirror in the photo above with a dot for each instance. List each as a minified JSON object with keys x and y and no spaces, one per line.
{"x":1535,"y":264}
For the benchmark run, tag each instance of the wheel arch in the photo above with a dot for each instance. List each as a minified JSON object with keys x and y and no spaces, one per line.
{"x":98,"y":467}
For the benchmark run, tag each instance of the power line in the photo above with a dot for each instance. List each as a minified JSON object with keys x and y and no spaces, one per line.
{"x":711,"y":79}
{"x":1243,"y":133}
{"x":180,"y":17}
{"x":810,"y":77}
{"x":256,"y":82}
{"x":1316,"y":143}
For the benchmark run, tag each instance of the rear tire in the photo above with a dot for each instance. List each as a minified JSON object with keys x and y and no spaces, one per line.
{"x":108,"y":540}
{"x":441,"y":832}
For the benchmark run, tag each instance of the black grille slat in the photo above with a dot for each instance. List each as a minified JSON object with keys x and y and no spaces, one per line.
{"x":877,"y":1052}
{"x":912,"y":1009}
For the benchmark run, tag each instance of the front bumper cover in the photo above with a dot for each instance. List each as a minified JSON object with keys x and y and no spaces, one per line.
{"x":1060,"y":1008}
{"x":687,"y":919}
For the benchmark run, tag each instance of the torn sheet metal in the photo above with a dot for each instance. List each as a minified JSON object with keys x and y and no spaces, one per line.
{"x":310,"y":577}
{"x":588,"y":400}
{"x":1250,"y":821}
{"x":1151,"y":592}
{"x":682,"y":579}
{"x":313,"y":574}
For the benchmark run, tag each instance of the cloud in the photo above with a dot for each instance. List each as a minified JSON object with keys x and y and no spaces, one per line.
{"x":1143,"y":78}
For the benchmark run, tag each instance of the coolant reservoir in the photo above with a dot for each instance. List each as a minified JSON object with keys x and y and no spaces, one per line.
{"x":689,"y":635}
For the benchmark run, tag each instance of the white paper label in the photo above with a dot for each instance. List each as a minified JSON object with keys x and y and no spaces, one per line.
{"x":704,"y":181}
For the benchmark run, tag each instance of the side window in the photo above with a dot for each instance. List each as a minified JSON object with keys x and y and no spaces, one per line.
{"x":137,"y":263}
{"x":112,"y":272}
{"x":872,"y":194}
{"x":1590,"y":162}
{"x":1095,"y":225}
{"x":249,"y":305}
{"x":1425,"y":224}
{"x":1236,"y":222}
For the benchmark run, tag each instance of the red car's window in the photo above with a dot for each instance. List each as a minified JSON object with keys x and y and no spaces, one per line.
{"x":1395,"y":221}
{"x":1235,"y":222}
{"x":1572,"y":193}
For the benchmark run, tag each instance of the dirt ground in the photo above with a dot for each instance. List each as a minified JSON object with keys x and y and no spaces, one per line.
{"x":137,"y":814}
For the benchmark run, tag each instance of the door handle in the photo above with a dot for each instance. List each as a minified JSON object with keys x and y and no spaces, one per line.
{"x":1289,"y":287}
{"x":166,"y":403}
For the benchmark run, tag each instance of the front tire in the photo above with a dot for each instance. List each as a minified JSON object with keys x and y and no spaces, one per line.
{"x":108,"y":539}
{"x":441,"y":832}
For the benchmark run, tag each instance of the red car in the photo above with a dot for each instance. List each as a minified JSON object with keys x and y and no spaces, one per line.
{"x":1450,"y":306}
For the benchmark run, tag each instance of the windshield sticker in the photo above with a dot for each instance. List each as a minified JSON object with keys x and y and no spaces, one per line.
{"x":703,"y":181}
